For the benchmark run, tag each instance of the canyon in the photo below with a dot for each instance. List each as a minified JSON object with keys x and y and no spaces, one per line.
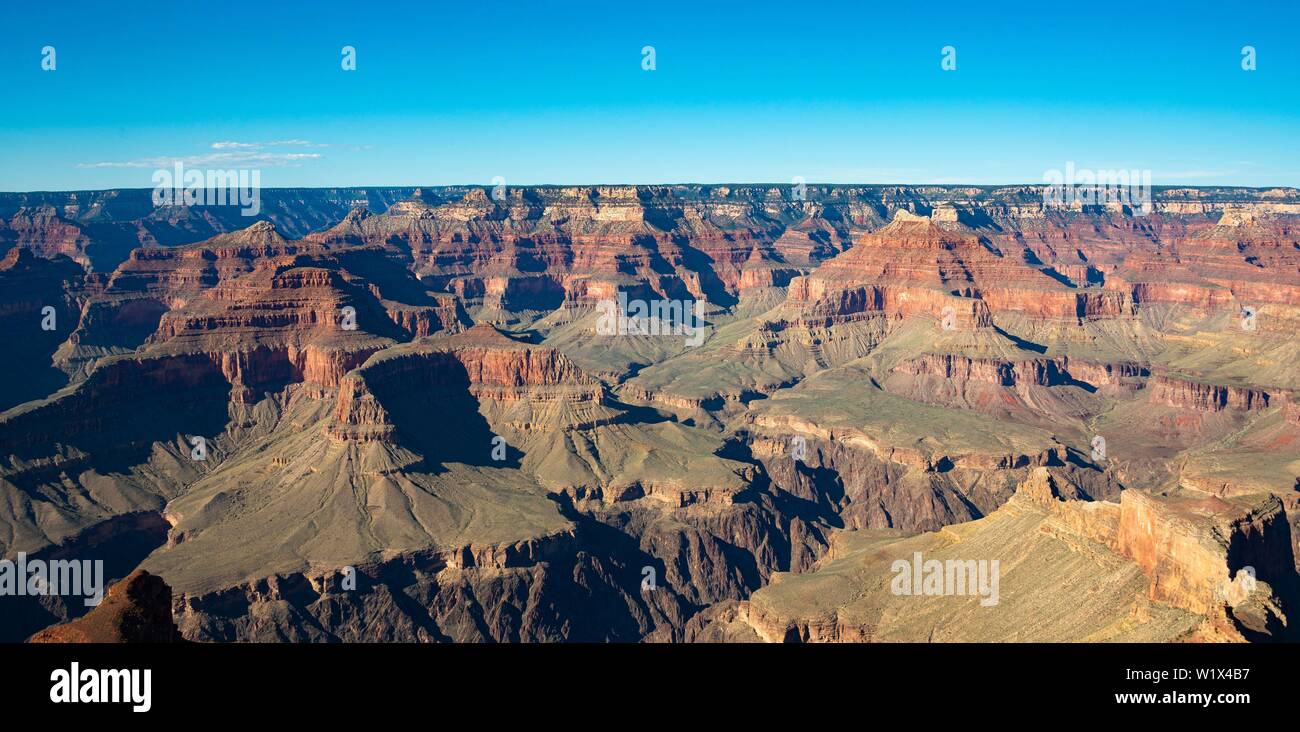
{"x":389,"y":414}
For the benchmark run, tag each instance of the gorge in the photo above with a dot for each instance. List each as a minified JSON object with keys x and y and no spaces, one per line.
{"x":945,"y":357}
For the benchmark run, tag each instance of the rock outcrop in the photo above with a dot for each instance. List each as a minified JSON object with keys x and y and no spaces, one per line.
{"x":137,"y":609}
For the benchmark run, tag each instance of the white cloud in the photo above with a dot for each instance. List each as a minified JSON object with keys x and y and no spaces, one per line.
{"x":232,"y":154}
{"x":244,"y":158}
{"x":229,"y":145}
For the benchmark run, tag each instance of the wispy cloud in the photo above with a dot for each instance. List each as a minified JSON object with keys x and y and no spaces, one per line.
{"x":233,"y":154}
{"x":228,"y":145}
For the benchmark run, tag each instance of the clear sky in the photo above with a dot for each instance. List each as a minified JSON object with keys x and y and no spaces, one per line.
{"x":554,"y":92}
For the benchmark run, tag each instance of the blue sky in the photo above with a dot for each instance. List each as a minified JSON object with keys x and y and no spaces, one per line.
{"x":554,"y":92}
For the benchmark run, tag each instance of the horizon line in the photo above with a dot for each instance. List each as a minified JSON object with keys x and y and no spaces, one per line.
{"x":809,"y":184}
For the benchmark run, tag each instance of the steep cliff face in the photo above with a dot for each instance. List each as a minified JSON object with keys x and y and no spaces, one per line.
{"x":481,"y":365}
{"x":39,"y":306}
{"x":115,"y":443}
{"x":1153,"y":568}
{"x":1291,"y":408}
{"x":532,"y":250}
{"x":523,"y":592}
{"x":1030,"y":372}
{"x":590,"y":584}
{"x":267,"y":309}
{"x":43,"y":231}
{"x":917,"y":265}
{"x":1177,"y":392}
{"x":1196,"y":548}
{"x":992,"y":386}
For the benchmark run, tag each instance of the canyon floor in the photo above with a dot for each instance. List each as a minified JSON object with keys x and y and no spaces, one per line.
{"x":412,"y":415}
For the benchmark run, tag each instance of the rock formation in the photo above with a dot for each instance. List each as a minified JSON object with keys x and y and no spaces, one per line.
{"x":1147,"y":569}
{"x":138,"y":609}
